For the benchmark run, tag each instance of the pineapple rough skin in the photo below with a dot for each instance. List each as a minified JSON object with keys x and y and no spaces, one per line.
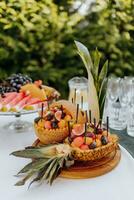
{"x":97,"y":153}
{"x":51,"y":136}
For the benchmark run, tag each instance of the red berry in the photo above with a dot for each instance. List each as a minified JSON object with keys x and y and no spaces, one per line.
{"x":47,"y":124}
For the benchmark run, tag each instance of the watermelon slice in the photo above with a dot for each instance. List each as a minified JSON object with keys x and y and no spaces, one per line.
{"x":33,"y":104}
{"x":4,"y":101}
{"x":9,"y":97}
{"x":11,"y":104}
{"x":21,"y":104}
{"x":33,"y":101}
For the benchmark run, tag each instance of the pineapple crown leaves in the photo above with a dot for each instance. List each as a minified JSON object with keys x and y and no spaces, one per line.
{"x":97,"y":72}
{"x":47,"y":162}
{"x":84,"y":54}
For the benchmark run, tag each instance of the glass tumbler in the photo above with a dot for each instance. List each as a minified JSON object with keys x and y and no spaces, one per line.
{"x":112,"y":105}
{"x":130,"y":113}
{"x":130,"y":121}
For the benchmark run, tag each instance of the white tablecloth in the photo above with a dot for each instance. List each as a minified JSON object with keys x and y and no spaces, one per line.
{"x":115,"y":185}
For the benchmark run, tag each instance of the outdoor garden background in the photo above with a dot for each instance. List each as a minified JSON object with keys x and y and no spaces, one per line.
{"x":37,"y":37}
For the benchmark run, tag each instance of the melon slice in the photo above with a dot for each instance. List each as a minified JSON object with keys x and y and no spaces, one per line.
{"x":34,"y":91}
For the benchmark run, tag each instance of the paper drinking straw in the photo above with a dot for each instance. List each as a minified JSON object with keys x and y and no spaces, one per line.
{"x":86,"y":116}
{"x":95,"y":128}
{"x":107,"y":125}
{"x":77,"y":112}
{"x":72,"y":100}
{"x":82,"y":102}
{"x":42,"y":109}
{"x":90,"y":116}
{"x":75,"y":95}
{"x":69,"y":129}
{"x":94,"y":122}
{"x":85,"y":133}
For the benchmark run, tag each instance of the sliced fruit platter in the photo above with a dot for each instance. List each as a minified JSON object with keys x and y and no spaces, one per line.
{"x":69,"y":144}
{"x":18,"y":92}
{"x":72,"y":143}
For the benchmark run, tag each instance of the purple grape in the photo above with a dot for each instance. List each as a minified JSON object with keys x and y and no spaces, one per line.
{"x":90,"y":134}
{"x":18,"y":80}
{"x":92,"y":145}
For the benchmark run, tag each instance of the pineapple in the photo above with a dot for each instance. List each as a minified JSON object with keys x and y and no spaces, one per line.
{"x":49,"y":135}
{"x":97,"y":153}
{"x":47,"y":162}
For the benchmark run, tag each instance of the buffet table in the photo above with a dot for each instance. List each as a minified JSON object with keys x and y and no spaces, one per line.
{"x":115,"y":185}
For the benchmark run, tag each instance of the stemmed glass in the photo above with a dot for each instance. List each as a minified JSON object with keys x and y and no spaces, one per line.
{"x":112,"y":105}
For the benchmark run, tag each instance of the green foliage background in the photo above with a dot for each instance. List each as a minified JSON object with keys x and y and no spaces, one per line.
{"x":37,"y":38}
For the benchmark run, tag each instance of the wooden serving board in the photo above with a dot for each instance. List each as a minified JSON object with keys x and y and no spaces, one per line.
{"x":92,"y":169}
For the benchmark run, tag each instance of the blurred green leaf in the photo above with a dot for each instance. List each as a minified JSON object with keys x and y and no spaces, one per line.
{"x":37,"y":37}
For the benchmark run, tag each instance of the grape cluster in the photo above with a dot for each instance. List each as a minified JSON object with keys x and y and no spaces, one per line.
{"x":18,"y":80}
{"x":5,"y":89}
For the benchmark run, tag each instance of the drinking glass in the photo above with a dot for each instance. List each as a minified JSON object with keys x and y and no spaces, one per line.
{"x":130,"y":113}
{"x":78,"y":87}
{"x":112,"y":105}
{"x":125,"y":91}
{"x":113,"y":89}
{"x":130,"y":121}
